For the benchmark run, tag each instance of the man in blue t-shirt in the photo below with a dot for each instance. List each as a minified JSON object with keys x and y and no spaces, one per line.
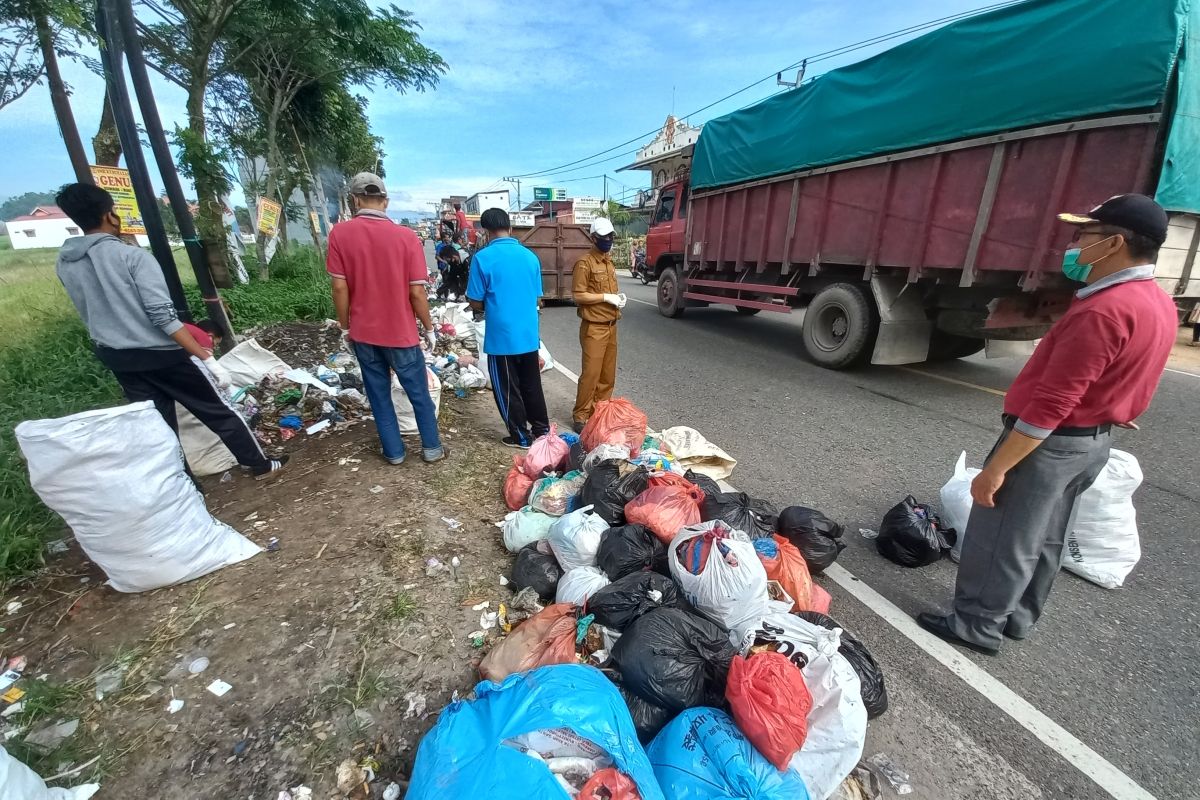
{"x":506,"y":284}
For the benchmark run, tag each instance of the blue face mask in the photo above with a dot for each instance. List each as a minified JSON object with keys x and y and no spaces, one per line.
{"x":1073,"y":269}
{"x":604,"y":245}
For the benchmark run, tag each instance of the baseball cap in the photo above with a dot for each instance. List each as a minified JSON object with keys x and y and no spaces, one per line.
{"x":601,"y":226}
{"x":1134,"y":212}
{"x":369,"y":184}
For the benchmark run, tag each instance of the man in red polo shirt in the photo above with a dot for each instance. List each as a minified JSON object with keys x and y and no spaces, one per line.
{"x":1097,"y":367}
{"x":379,"y":276}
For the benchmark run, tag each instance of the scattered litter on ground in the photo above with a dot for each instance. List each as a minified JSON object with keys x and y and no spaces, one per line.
{"x":882,"y":764}
{"x":219,"y":687}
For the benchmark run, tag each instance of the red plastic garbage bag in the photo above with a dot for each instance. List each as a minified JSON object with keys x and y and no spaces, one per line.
{"x":791,"y":570}
{"x":615,"y":421}
{"x":548,"y":637}
{"x":665,"y":509}
{"x":517,"y":485}
{"x":670,"y":479}
{"x":820,"y":600}
{"x":770,"y":703}
{"x":547,"y":454}
{"x":609,"y":784}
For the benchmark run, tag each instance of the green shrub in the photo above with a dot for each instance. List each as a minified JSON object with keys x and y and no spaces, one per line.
{"x":298,"y":289}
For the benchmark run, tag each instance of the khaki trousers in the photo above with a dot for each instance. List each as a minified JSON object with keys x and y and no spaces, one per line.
{"x":598,"y":341}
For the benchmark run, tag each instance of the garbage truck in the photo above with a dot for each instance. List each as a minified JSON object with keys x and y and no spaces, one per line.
{"x":908,"y":202}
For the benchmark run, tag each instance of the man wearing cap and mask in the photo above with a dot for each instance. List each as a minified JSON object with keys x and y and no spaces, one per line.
{"x":379,"y":277}
{"x":1097,"y":367}
{"x":595,"y":288}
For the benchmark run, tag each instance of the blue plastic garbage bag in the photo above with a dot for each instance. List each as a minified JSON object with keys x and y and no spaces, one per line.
{"x":570,"y":437}
{"x":701,"y":755}
{"x":463,"y":757}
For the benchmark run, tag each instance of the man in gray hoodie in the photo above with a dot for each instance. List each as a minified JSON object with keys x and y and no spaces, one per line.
{"x":120,"y":293}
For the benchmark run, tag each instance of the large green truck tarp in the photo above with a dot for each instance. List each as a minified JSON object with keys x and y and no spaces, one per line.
{"x":1035,"y":63}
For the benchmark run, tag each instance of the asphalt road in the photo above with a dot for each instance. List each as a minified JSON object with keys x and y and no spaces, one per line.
{"x":1117,"y":669}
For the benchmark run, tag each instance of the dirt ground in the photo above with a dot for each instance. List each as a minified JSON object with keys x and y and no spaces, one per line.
{"x":338,"y":645}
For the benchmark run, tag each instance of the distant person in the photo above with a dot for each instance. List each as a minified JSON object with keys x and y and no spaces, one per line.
{"x":596,"y":295}
{"x":454,"y":278}
{"x":460,"y":218}
{"x":121,"y":295}
{"x":1097,"y":367}
{"x":379,"y":277}
{"x":446,"y":240}
{"x":1194,"y":320}
{"x":506,"y":284}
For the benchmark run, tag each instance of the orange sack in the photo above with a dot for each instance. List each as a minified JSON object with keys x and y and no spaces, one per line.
{"x":770,"y":703}
{"x":548,"y":637}
{"x":791,"y":570}
{"x":615,"y":421}
{"x":665,"y":510}
{"x":609,"y":784}
{"x":517,"y":485}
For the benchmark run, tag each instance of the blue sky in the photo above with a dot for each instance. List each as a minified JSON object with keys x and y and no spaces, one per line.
{"x":532,"y":86}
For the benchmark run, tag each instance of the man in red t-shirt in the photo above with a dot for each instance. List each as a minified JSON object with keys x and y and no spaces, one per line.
{"x":379,"y":277}
{"x":1097,"y":367}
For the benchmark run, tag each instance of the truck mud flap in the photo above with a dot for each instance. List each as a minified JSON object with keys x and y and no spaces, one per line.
{"x":904,"y":328}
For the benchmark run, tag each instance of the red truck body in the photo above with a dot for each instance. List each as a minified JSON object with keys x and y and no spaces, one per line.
{"x":945,"y":246}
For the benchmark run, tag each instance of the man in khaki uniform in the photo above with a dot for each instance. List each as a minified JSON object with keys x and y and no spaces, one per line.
{"x":600,"y":304}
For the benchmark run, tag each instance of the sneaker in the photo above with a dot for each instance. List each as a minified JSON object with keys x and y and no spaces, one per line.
{"x":510,"y":441}
{"x":444,"y":455}
{"x":273,"y":466}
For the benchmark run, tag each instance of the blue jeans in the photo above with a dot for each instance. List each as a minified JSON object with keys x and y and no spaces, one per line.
{"x":408,"y":363}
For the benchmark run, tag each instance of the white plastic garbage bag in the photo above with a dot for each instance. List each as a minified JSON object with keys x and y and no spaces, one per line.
{"x":730,"y":588}
{"x":404,"y":409}
{"x":247,"y":364}
{"x":956,"y":501}
{"x":1102,"y":539}
{"x":147,"y":526}
{"x":577,"y":585}
{"x":525,"y":526}
{"x":19,"y":782}
{"x":696,"y":453}
{"x":544,"y":355}
{"x":837,"y":723}
{"x":458,"y":315}
{"x":604,"y":452}
{"x":575,"y":538}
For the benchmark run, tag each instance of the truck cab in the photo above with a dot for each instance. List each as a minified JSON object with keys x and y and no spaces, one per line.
{"x":668,"y":225}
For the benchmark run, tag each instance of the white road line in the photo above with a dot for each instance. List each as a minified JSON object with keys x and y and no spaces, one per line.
{"x":1111,"y":780}
{"x":1168,"y":369}
{"x":643,"y":302}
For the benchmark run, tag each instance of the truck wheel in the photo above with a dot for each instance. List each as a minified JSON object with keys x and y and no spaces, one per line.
{"x":840,"y":326}
{"x":747,"y":312}
{"x":670,"y":293}
{"x":947,"y":346}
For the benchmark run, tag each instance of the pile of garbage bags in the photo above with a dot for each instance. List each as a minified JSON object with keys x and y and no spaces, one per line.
{"x":690,"y":614}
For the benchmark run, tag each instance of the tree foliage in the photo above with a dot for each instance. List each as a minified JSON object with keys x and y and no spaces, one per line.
{"x":24,"y":203}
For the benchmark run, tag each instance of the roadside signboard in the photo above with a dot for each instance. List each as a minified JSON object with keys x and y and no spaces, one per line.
{"x":521,"y":219}
{"x":116,"y":181}
{"x":548,"y":193}
{"x":268,"y":216}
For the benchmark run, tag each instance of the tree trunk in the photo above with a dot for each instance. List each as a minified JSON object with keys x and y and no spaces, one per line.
{"x":106,"y":144}
{"x":210,"y":219}
{"x":312,"y":221}
{"x":269,"y":189}
{"x":61,"y":101}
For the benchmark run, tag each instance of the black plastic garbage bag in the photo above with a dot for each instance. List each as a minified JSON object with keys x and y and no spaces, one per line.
{"x":631,"y":548}
{"x":536,"y":569}
{"x":619,"y":603}
{"x":913,"y":535}
{"x":816,"y":536}
{"x":575,"y":457}
{"x":874,"y":692}
{"x":648,"y":718}
{"x":706,"y":484}
{"x":674,"y":659}
{"x":755,"y":518}
{"x":609,"y":488}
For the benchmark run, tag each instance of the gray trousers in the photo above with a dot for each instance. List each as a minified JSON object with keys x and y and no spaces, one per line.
{"x":1011,"y":552}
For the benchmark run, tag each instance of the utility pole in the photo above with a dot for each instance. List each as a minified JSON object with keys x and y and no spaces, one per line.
{"x":516,"y":181}
{"x":605,"y":191}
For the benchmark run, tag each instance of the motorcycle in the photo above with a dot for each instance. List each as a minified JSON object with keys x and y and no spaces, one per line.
{"x":640,"y":270}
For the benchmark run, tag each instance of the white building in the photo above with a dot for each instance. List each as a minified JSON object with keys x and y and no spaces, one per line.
{"x":666,"y":158}
{"x":482,"y":201}
{"x":45,"y":226}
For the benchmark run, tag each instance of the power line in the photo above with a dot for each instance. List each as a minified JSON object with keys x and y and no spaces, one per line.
{"x":817,"y":57}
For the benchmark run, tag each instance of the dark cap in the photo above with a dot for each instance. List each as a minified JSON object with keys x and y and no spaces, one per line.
{"x":368,"y":184}
{"x":1134,"y":212}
